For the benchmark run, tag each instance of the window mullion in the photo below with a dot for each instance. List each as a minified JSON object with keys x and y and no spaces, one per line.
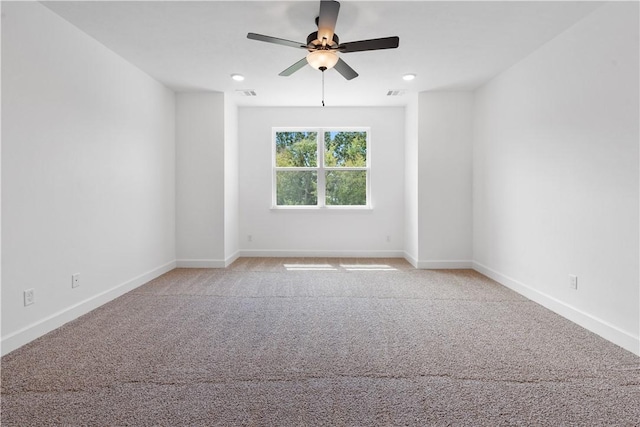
{"x":321,"y":175}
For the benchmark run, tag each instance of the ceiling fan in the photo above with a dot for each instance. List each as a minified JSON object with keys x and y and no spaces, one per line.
{"x":323,"y":45}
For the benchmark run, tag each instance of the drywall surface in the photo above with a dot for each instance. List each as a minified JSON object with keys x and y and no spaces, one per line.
{"x":556,"y":174}
{"x":444,"y":179}
{"x":88,"y":170}
{"x":282,"y":232}
{"x":231,"y":187}
{"x":200,"y":140}
{"x":411,"y":219}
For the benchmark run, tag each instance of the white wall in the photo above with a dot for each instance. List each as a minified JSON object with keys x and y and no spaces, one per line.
{"x":231,"y":185}
{"x":326,"y":232}
{"x":87,"y":173}
{"x":411,"y":200}
{"x":444,"y":179}
{"x":556,"y":174}
{"x":200,"y":172}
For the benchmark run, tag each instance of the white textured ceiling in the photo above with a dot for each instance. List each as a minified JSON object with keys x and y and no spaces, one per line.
{"x":197,"y":45}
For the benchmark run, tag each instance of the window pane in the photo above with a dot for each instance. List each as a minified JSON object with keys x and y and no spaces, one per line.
{"x":296,"y":149}
{"x":347,"y":149}
{"x":347,"y":188}
{"x":296,"y":188}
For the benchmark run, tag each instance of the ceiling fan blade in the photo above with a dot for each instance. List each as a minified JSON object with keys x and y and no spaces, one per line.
{"x":344,"y":69}
{"x":295,"y":67}
{"x":269,"y":39}
{"x":373,"y":44}
{"x":327,"y":19}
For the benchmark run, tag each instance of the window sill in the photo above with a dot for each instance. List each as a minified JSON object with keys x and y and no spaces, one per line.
{"x":322,"y":208}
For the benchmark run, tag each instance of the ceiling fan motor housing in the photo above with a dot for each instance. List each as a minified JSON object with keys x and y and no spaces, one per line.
{"x":314,"y":43}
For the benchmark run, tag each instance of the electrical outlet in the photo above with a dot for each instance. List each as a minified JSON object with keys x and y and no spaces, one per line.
{"x":249,"y":238}
{"x":75,"y":280}
{"x":573,"y":281}
{"x":388,"y":238}
{"x":29,"y":297}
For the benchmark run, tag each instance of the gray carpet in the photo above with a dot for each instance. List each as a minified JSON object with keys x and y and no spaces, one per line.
{"x":293,"y":342}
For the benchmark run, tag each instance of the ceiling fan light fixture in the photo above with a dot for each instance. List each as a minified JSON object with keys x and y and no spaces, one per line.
{"x":322,"y":59}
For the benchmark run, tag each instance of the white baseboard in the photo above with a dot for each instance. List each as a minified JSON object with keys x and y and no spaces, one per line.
{"x":29,"y":333}
{"x":444,"y":264}
{"x":207,"y":263}
{"x":410,"y":259}
{"x":201,"y":263}
{"x":586,"y":320}
{"x":231,"y":259}
{"x":320,"y":254}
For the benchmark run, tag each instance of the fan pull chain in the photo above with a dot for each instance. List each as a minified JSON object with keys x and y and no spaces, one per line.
{"x":323,"y":88}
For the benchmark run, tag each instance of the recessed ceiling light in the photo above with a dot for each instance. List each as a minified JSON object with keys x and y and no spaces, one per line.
{"x":409,"y":77}
{"x":237,"y":77}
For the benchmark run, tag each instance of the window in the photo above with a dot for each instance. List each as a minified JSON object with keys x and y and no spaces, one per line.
{"x":321,"y":168}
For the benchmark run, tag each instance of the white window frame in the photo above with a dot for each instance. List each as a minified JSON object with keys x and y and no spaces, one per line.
{"x":321,"y":168}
